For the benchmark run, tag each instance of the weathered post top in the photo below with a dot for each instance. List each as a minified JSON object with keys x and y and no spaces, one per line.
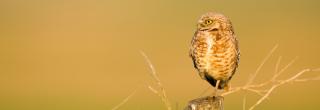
{"x":206,"y":103}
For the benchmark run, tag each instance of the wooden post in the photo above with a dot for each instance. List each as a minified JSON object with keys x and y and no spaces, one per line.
{"x":206,"y":103}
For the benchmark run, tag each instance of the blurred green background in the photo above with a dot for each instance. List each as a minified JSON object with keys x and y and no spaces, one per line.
{"x":84,"y":54}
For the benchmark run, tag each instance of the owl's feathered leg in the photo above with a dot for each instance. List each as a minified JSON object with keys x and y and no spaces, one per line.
{"x":217,"y":88}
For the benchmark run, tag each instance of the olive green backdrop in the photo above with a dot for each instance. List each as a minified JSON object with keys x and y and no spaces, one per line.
{"x":85,"y":54}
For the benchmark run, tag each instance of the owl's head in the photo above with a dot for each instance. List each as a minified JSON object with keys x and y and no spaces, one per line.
{"x":214,"y":22}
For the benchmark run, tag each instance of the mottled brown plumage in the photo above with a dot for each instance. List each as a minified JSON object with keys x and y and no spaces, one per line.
{"x":214,"y":49}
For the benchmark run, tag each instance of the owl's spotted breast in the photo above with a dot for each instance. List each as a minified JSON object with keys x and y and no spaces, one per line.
{"x":214,"y":57}
{"x":214,"y":50}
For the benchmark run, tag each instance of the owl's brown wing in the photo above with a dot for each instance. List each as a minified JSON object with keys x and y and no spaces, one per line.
{"x":192,"y":49}
{"x":238,"y":55}
{"x":237,"y":48}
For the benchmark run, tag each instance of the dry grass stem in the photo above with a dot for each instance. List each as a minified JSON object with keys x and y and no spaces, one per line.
{"x":277,"y":85}
{"x":274,"y":82}
{"x":307,"y":79}
{"x":162,"y":92}
{"x":262,"y":63}
{"x":153,"y":90}
{"x":266,"y":93}
{"x":283,"y":69}
{"x":153,"y":71}
{"x":124,"y":101}
{"x":316,"y":70}
{"x":244,"y":102}
{"x":276,"y":69}
{"x":277,"y":74}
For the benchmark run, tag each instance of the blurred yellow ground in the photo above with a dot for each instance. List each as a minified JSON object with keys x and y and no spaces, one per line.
{"x":84,"y":54}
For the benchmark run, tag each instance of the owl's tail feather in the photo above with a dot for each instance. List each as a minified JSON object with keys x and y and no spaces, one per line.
{"x":213,"y":81}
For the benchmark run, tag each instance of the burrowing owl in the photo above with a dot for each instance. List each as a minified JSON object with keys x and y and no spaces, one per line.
{"x":214,"y":50}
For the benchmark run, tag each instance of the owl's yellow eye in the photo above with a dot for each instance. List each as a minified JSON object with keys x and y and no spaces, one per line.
{"x":207,"y":22}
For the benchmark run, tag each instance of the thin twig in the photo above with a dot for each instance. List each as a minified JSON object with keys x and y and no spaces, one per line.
{"x":256,"y":91}
{"x":283,"y":69}
{"x":232,"y":90}
{"x":277,"y":85}
{"x":162,"y":92}
{"x":317,"y":69}
{"x":277,"y":65}
{"x":307,"y":79}
{"x":244,"y":101}
{"x":277,"y":74}
{"x":274,"y":81}
{"x":260,"y":66}
{"x":153,"y":71}
{"x":124,"y":101}
{"x":153,"y":90}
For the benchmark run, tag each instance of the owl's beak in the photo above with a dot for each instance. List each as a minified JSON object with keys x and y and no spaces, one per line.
{"x":214,"y":29}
